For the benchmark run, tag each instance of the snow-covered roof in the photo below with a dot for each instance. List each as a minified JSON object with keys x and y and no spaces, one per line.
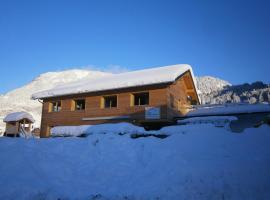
{"x":226,"y":109}
{"x":17,"y":116}
{"x":150,"y":76}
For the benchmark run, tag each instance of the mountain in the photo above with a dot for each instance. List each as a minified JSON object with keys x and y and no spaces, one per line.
{"x":19,"y":99}
{"x":212,"y":90}
{"x":209,"y":84}
{"x":217,"y":91}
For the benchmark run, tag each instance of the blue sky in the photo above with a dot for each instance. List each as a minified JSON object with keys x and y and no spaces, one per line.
{"x":227,"y":39}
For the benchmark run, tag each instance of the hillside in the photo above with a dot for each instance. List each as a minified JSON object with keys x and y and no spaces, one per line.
{"x":213,"y":90}
{"x":19,"y":99}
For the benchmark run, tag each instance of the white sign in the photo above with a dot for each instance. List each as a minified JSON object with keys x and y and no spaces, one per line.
{"x":152,"y":112}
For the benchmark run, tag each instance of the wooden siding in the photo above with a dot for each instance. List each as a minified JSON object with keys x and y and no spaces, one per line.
{"x":177,"y":101}
{"x":68,"y":116}
{"x":12,"y":128}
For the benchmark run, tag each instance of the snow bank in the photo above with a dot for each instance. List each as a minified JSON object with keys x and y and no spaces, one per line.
{"x":17,"y":116}
{"x":130,"y":129}
{"x":117,"y":128}
{"x":116,"y":81}
{"x":226,"y":109}
{"x":69,"y":130}
{"x":195,"y":162}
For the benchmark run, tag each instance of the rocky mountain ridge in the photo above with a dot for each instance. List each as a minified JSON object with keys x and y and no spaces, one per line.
{"x":217,"y":91}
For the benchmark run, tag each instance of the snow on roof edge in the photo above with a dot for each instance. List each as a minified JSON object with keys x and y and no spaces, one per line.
{"x":159,"y":75}
{"x":17,"y":116}
{"x":102,"y":90}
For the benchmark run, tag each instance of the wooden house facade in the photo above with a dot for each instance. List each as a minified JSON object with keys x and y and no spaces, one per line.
{"x":145,"y":96}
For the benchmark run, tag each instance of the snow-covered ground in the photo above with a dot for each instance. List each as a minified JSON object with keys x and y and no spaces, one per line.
{"x":196,"y":161}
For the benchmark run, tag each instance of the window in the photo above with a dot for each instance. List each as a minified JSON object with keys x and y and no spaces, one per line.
{"x":194,"y":102}
{"x":56,"y":106}
{"x":109,"y":101}
{"x":191,"y":100}
{"x":79,"y":104}
{"x":139,"y":99}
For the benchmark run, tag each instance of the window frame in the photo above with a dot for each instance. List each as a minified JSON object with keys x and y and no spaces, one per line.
{"x":51,"y":106}
{"x":132,"y":98}
{"x":103,"y":101}
{"x":74,"y":104}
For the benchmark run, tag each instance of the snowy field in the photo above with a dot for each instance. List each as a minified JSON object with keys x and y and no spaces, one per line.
{"x":197,"y":161}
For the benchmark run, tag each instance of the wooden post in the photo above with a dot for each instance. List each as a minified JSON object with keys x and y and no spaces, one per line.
{"x":18,"y":128}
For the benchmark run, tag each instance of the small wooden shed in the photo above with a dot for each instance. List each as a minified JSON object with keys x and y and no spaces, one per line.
{"x":17,"y":122}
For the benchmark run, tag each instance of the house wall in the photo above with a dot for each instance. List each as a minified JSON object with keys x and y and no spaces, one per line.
{"x":177,"y":101}
{"x":157,"y":98}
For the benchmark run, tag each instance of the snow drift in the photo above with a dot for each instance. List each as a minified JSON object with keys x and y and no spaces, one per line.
{"x":194,"y":162}
{"x":117,"y":128}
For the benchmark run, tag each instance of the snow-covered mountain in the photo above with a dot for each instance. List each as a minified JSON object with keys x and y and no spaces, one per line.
{"x":217,"y":91}
{"x":209,"y":84}
{"x":19,"y":99}
{"x":213,"y":90}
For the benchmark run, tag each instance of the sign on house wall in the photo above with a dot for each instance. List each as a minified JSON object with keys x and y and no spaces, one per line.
{"x":152,"y":112}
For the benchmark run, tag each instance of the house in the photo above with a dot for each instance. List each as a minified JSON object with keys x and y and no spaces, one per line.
{"x":145,"y":96}
{"x":18,"y":122}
